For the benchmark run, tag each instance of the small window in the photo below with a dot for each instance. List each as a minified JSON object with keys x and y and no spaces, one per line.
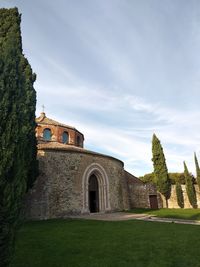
{"x":47,"y":134}
{"x":65,"y":137}
{"x":78,"y":141}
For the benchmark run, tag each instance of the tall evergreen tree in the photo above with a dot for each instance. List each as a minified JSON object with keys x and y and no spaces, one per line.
{"x":197,"y":170}
{"x":179,"y":195}
{"x":160,"y":169}
{"x":190,"y":187}
{"x":18,"y":164}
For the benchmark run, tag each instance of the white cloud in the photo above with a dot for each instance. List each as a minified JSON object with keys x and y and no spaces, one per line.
{"x":123,"y":139}
{"x":119,"y":71}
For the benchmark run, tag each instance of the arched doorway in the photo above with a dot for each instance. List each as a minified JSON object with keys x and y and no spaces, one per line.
{"x":93,"y":191}
{"x":95,"y":179}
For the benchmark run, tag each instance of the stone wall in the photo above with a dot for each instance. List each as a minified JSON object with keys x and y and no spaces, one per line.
{"x":58,"y":191}
{"x":172,"y":202}
{"x":139,"y":193}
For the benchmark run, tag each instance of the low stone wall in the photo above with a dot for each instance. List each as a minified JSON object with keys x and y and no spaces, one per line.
{"x":139,"y":193}
{"x":172,"y":202}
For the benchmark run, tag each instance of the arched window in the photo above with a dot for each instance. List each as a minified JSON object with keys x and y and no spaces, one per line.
{"x":78,"y":141}
{"x":65,"y":137}
{"x":47,"y":134}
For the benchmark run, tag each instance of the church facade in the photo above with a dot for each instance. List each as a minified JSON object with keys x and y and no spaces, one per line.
{"x":73,"y":180}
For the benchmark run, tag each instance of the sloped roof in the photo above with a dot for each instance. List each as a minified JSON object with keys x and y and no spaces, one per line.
{"x":132,"y":178}
{"x":64,"y":147}
{"x":42,"y":119}
{"x":51,"y":145}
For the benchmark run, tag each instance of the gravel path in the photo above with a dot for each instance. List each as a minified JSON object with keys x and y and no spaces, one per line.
{"x":124,"y":216}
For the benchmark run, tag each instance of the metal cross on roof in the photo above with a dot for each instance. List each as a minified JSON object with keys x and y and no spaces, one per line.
{"x":43,"y":107}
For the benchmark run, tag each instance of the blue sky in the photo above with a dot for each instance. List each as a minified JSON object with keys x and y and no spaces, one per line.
{"x":119,"y":71}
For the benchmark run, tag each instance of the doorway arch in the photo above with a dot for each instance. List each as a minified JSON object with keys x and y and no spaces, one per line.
{"x":93,"y":190}
{"x":101,"y":188}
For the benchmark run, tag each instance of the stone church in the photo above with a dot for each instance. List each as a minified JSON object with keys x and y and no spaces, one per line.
{"x":74,"y":180}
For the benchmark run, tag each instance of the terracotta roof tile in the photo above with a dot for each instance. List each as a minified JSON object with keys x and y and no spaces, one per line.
{"x":44,"y":120}
{"x":64,"y":147}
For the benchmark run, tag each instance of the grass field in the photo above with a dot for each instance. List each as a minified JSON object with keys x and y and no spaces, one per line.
{"x":74,"y":243}
{"x":187,"y":214}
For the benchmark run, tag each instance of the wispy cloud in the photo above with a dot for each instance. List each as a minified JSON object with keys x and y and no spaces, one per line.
{"x":106,"y":119}
{"x":119,"y":71}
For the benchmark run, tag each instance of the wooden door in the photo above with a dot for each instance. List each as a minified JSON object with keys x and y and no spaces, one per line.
{"x":153,"y":201}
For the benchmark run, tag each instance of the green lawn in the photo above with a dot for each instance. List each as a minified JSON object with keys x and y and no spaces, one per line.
{"x":74,"y":243}
{"x":187,"y":214}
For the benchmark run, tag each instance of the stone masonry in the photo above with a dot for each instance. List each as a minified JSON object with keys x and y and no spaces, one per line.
{"x":58,"y":191}
{"x":73,"y":180}
{"x":172,"y":202}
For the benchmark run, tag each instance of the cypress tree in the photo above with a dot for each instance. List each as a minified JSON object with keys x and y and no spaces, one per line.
{"x":160,"y":169}
{"x":197,"y":170}
{"x":190,"y":187}
{"x":179,"y":195}
{"x":18,"y":164}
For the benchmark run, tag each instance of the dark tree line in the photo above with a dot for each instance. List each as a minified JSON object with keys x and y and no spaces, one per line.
{"x":18,"y":164}
{"x":174,"y":177}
